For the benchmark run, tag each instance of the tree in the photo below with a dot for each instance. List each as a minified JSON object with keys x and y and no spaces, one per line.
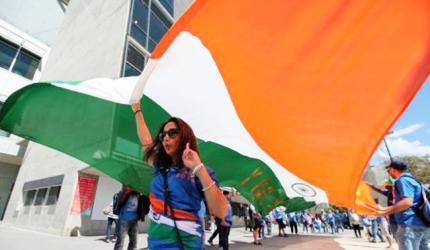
{"x":418,"y":166}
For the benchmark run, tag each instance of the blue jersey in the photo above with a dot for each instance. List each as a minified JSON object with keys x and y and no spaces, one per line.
{"x":186,"y":197}
{"x":129,"y":209}
{"x":407,"y":187}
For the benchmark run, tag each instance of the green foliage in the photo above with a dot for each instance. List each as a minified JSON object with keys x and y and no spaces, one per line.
{"x":418,"y":166}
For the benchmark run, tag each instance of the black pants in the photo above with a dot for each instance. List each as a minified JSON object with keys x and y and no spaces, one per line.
{"x":130,"y":228}
{"x":214,"y":234}
{"x":223,"y":236}
{"x":357,"y":230}
{"x":293,"y":226}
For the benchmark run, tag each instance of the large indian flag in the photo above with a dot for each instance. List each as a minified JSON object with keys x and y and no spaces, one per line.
{"x":289,"y":99}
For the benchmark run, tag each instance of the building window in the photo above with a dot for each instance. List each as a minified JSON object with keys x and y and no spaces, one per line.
{"x":54,"y":193}
{"x":135,"y":61}
{"x":7,"y":53}
{"x":40,"y":197}
{"x":2,"y":132}
{"x":17,"y":59}
{"x":158,"y":26}
{"x":148,"y":24}
{"x":139,"y":22}
{"x":168,"y":5}
{"x":29,"y":197}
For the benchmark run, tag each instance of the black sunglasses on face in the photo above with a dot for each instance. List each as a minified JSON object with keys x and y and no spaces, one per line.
{"x":172,"y":133}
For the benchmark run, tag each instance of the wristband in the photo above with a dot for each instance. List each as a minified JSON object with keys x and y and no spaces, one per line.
{"x":135,"y":112}
{"x":208,"y":187}
{"x":197,"y":168}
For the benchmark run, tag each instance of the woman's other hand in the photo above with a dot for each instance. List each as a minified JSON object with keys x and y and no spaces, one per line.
{"x":190,"y":158}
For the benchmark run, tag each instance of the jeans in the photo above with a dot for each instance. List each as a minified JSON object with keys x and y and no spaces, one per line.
{"x":393,"y":229}
{"x":375,"y":231}
{"x":109,"y":228}
{"x":129,"y":227}
{"x":410,"y":237}
{"x":425,"y":243}
{"x":269,"y":228}
{"x":332,"y":225}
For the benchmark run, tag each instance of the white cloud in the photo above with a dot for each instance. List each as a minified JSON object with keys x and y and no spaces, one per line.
{"x":405,"y":131}
{"x":402,"y":147}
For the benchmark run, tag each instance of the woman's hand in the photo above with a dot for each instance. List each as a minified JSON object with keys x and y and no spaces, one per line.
{"x":190,"y":158}
{"x":135,"y":106}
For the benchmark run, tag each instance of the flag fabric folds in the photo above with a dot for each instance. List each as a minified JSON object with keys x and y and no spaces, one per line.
{"x":289,"y":99}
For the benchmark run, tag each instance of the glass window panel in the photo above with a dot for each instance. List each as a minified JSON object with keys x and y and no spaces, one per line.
{"x":7,"y":53}
{"x":29,"y":197}
{"x":53,"y":194}
{"x":130,"y":70}
{"x":168,"y":5}
{"x":140,"y":13}
{"x":40,"y":197}
{"x":2,"y":132}
{"x":135,"y":58}
{"x":138,"y":34}
{"x":158,"y":26}
{"x":26,"y":64}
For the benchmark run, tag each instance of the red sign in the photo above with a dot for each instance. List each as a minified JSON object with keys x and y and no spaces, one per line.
{"x":84,"y":196}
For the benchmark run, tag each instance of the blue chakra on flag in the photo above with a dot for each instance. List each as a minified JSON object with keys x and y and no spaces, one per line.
{"x":304,"y":190}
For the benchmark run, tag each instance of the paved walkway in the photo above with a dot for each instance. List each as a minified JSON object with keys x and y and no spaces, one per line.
{"x":12,"y":238}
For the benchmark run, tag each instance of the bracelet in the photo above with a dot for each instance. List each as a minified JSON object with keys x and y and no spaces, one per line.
{"x":135,"y":112}
{"x":197,"y":168}
{"x":208,"y":187}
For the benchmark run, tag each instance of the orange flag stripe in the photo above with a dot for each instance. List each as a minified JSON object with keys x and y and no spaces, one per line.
{"x":327,"y":78}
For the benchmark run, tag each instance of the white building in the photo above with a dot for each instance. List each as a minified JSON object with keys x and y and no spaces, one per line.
{"x":53,"y":192}
{"x":25,"y":36}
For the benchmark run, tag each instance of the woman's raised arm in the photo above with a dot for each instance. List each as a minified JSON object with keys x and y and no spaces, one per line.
{"x":142,"y":129}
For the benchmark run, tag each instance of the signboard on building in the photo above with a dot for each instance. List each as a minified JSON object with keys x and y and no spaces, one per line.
{"x":84,"y":196}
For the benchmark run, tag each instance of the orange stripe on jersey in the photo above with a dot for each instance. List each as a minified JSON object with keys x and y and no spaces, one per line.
{"x":158,"y":207}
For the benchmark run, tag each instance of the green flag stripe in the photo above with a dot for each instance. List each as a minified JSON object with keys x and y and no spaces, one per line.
{"x":103,"y":135}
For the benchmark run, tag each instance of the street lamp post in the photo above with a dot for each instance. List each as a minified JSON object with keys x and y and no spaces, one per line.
{"x":386,"y":145}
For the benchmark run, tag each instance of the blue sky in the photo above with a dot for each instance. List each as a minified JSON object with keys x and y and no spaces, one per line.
{"x":411,"y":133}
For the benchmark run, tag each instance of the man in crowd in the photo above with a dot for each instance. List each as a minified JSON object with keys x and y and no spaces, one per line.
{"x":412,"y":231}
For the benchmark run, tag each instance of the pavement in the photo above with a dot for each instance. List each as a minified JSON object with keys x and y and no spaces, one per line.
{"x":13,"y":238}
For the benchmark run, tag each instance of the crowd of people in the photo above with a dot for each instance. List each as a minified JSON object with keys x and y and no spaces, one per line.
{"x":326,"y":221}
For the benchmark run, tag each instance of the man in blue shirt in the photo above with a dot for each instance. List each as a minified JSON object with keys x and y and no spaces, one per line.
{"x":293,"y":222}
{"x":127,"y":210}
{"x":411,"y":229}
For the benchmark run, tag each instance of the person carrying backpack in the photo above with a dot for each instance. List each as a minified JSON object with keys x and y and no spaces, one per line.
{"x":130,"y":207}
{"x":413,"y":230}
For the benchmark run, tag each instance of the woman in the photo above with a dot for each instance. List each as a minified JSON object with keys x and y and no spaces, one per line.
{"x":355,"y":219}
{"x":256,"y":227}
{"x":181,"y":181}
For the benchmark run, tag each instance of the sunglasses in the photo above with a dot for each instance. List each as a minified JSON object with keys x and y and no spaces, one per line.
{"x":172,"y":133}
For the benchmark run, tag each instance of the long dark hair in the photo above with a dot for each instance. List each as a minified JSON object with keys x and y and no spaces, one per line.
{"x":161,"y":158}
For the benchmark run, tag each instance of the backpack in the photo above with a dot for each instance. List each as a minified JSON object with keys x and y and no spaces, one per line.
{"x":423,"y":208}
{"x":143,"y":207}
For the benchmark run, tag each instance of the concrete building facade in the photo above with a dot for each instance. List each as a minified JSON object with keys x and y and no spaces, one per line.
{"x":53,"y":192}
{"x":23,"y":57}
